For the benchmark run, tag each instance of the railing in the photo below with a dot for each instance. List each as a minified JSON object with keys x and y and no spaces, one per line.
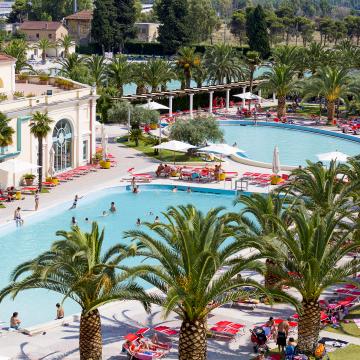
{"x":78,"y":91}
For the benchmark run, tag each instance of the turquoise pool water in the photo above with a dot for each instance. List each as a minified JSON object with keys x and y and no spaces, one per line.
{"x":295,"y":146}
{"x":38,"y":232}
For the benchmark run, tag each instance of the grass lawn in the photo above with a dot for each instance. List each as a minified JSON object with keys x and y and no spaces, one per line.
{"x":349,"y":328}
{"x":164,"y":156}
{"x":350,"y":352}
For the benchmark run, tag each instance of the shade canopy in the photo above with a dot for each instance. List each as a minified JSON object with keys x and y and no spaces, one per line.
{"x":334,"y":155}
{"x":276,"y":168}
{"x":16,"y":166}
{"x":223,"y":149}
{"x":153,"y":105}
{"x":248,"y":96}
{"x":174,"y":145}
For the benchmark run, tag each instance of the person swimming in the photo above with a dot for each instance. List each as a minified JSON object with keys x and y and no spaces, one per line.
{"x":138,"y":222}
{"x":86,"y":220}
{"x":157,"y":220}
{"x":73,"y":221}
{"x":174,"y":189}
{"x":188,"y":189}
{"x":104,"y":213}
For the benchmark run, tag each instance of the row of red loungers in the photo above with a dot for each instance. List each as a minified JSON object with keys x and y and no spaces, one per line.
{"x":261,"y":179}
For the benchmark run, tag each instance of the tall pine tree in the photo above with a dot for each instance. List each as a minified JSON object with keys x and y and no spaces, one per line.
{"x":174,"y":31}
{"x":257,"y":32}
{"x":124,"y":22}
{"x":102,"y":27}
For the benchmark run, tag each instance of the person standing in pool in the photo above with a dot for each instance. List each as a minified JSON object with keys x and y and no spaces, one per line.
{"x":73,"y":221}
{"x":17,"y":217}
{"x":157,"y":220}
{"x":112,"y":207}
{"x":138,"y":222}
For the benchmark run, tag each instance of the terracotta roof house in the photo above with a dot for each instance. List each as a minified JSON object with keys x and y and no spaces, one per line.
{"x":79,"y":25}
{"x":36,"y":30}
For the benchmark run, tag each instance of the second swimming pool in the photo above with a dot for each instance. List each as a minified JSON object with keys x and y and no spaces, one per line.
{"x":295,"y":146}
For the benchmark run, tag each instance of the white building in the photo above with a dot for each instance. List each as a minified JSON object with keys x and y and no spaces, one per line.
{"x":71,"y":106}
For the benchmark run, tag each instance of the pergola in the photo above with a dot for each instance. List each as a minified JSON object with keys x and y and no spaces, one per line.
{"x":191,"y":91}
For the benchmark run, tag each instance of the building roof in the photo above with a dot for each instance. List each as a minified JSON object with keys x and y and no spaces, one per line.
{"x":40,"y":25}
{"x":5,"y":57}
{"x":81,"y":15}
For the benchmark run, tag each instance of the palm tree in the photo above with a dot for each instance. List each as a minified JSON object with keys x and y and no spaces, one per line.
{"x":119,"y":72}
{"x":251,"y":60}
{"x":281,"y":79}
{"x":286,"y":55}
{"x":332,"y":82}
{"x":313,"y":249}
{"x":138,"y":76}
{"x":322,"y":188}
{"x":157,"y":72}
{"x":17,"y":48}
{"x":316,"y":55}
{"x":73,"y":67}
{"x":200,"y":75}
{"x":65,"y":43}
{"x":40,"y":128}
{"x":187,"y":60}
{"x":189,"y":250}
{"x":44,"y":45}
{"x":77,"y":267}
{"x":97,"y":69}
{"x":223,"y":64}
{"x":6,"y":131}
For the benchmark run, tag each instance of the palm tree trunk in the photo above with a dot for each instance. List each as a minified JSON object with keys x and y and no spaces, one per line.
{"x":90,"y":342}
{"x":281,"y":110}
{"x":40,"y":162}
{"x":330,"y":111}
{"x":309,"y":326}
{"x":271,"y":279}
{"x":43,"y":55}
{"x":192,"y":340}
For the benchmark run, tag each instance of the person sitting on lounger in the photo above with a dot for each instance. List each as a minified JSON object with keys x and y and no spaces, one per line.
{"x":15,"y":321}
{"x":159,"y":170}
{"x":167,"y":170}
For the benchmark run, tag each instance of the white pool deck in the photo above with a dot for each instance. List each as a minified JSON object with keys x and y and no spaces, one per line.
{"x":118,"y":319}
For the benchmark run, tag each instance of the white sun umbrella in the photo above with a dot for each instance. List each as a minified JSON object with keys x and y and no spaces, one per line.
{"x":175,"y":146}
{"x":153,"y":105}
{"x":104,"y":141}
{"x":16,"y":166}
{"x":51,"y":162}
{"x":276,"y":168}
{"x":223,"y":149}
{"x":248,"y":96}
{"x":333,"y":155}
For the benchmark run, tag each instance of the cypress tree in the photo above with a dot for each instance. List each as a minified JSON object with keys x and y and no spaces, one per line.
{"x":174,"y":31}
{"x":124,"y":23}
{"x":257,"y":32}
{"x":102,"y":26}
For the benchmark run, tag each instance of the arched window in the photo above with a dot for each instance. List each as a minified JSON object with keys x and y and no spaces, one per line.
{"x":62,"y":145}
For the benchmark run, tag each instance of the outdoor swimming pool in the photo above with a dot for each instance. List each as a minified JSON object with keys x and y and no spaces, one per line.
{"x":38,"y":232}
{"x":295,"y":146}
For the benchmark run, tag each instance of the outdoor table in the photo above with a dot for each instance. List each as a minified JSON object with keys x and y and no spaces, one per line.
{"x":244,"y":184}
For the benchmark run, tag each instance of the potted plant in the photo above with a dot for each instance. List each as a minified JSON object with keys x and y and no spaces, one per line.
{"x":29,"y":179}
{"x":54,"y":180}
{"x":3,"y":97}
{"x":105,"y":164}
{"x":97,"y":158}
{"x":22,"y":78}
{"x":43,"y":79}
{"x":18,"y":94}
